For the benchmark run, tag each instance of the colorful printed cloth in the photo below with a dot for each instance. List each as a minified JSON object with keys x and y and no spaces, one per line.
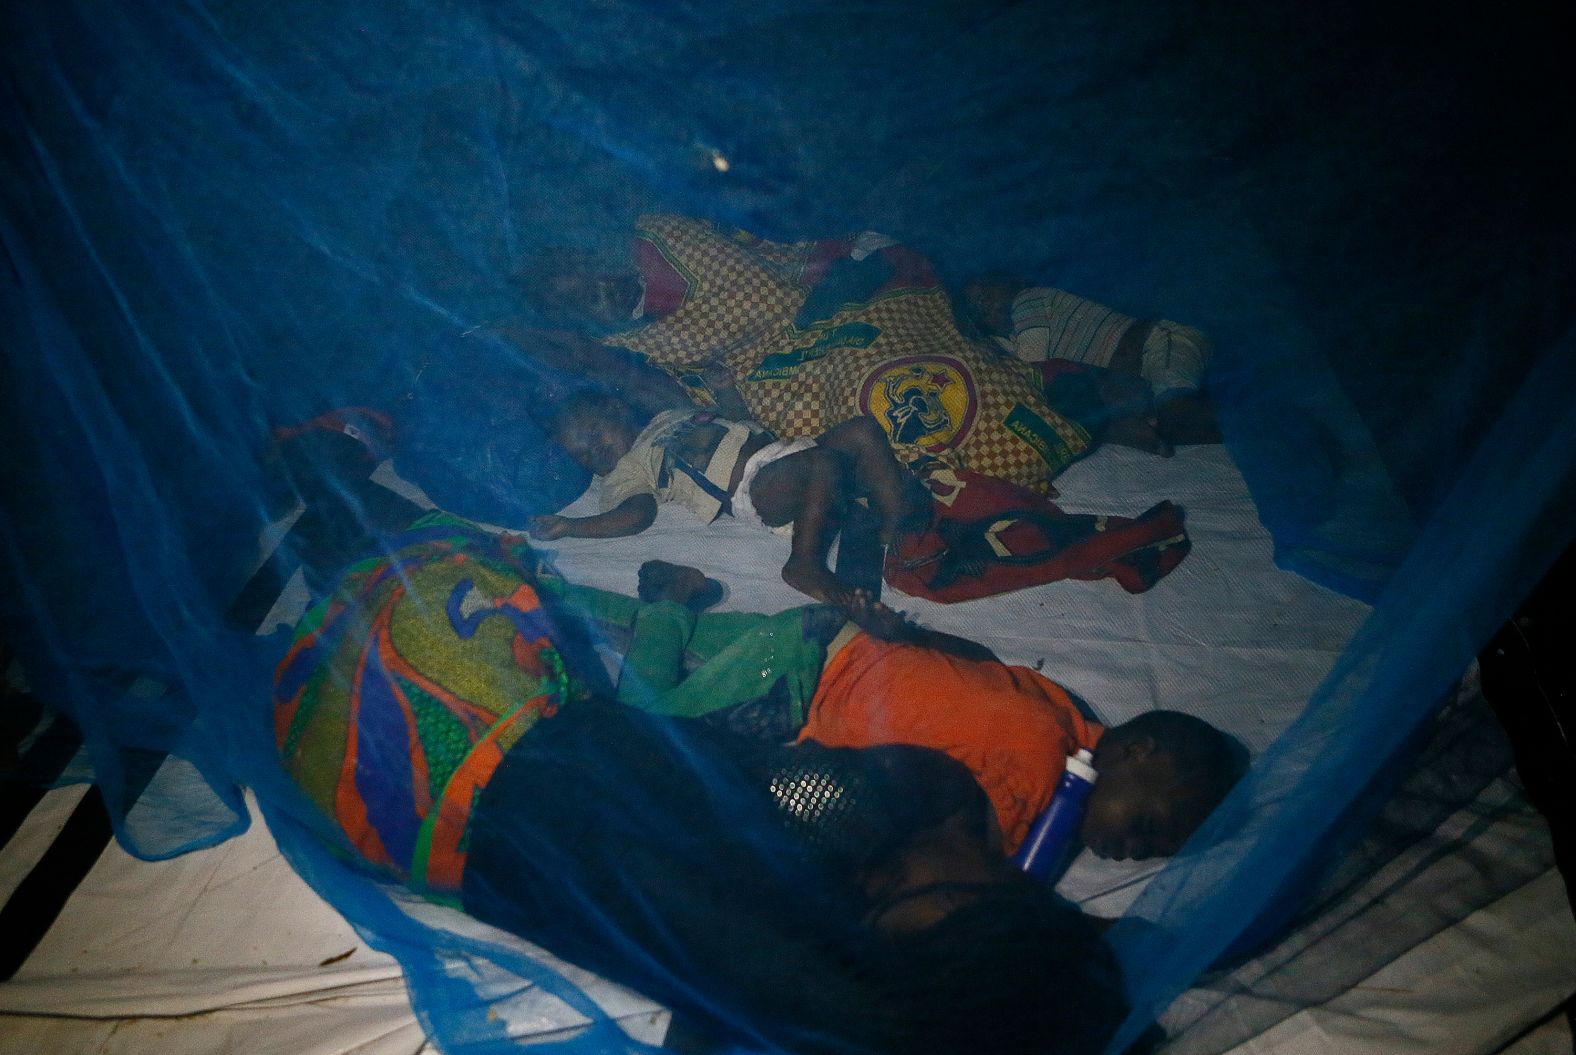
{"x":987,"y":537}
{"x":403,"y":690}
{"x":814,"y":337}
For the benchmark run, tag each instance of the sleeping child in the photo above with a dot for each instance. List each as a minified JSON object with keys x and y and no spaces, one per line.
{"x":881,"y":680}
{"x":713,"y":465}
{"x":1145,"y":378}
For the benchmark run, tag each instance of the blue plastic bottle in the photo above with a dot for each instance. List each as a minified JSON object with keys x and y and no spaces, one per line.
{"x":1046,"y":845}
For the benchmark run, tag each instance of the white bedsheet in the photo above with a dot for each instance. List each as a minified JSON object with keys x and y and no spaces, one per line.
{"x":227,"y":950}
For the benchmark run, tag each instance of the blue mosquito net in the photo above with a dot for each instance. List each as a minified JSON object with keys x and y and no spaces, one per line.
{"x":221,"y":220}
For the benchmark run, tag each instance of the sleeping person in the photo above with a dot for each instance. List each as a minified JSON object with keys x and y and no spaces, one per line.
{"x":814,"y":333}
{"x":449,"y":728}
{"x":714,"y":466}
{"x":1074,"y":337}
{"x":808,"y":675}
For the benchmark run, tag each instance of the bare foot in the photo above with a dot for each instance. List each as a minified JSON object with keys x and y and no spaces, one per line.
{"x":1139,"y":431}
{"x":663,"y":581}
{"x":1128,"y":409}
{"x":876,"y":619}
{"x":814,"y":579}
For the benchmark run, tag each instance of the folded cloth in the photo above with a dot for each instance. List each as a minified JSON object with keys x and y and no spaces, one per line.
{"x":989,"y":537}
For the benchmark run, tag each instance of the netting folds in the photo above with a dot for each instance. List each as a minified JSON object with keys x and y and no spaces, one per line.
{"x":254,"y":251}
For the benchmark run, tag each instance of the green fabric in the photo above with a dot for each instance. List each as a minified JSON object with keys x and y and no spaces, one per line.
{"x":740,"y":655}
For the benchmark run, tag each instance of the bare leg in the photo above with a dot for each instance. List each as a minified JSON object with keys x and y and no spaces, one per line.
{"x":896,"y":494}
{"x":807,"y":489}
{"x":1130,"y":412}
{"x":1128,"y":358}
{"x":1187,"y":417}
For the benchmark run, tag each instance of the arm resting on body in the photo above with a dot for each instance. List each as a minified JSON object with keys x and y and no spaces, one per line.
{"x":730,"y":403}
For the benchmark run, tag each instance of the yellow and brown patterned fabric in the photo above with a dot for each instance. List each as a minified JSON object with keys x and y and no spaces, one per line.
{"x":735,"y":294}
{"x":897,"y":356}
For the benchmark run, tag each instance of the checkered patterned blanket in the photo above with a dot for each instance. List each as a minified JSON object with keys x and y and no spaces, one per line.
{"x":896,"y":354}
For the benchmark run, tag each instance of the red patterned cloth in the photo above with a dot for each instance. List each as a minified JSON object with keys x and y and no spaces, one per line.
{"x":988,"y":536}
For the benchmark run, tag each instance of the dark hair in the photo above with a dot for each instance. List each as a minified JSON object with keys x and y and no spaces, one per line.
{"x":967,"y":310}
{"x":1208,"y":761}
{"x":590,"y":402}
{"x":1019,"y":970}
{"x":554,"y":278}
{"x":705,"y":902}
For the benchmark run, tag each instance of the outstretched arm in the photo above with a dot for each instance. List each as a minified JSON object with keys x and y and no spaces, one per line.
{"x":888,"y":624}
{"x":630,"y":517}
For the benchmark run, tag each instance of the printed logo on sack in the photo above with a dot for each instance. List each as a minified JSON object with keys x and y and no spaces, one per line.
{"x":782,"y":365}
{"x":924,"y":401}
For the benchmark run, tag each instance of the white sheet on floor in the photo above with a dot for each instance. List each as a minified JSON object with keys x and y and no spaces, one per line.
{"x":227,"y":949}
{"x":1227,"y":635}
{"x":1405,"y":961}
{"x":232,"y":938}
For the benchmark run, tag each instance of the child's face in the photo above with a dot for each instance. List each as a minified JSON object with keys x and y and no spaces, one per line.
{"x":596,"y":443}
{"x":1139,"y":808}
{"x":991,"y":302}
{"x":606,"y":298}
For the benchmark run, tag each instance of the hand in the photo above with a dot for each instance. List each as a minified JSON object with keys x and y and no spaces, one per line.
{"x":876,"y":619}
{"x":717,"y":377}
{"x":1139,"y":431}
{"x":550,"y":527}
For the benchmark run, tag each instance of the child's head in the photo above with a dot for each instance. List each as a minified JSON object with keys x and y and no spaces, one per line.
{"x":987,"y":305}
{"x":1160,"y":775}
{"x":581,"y":289}
{"x":596,"y":429}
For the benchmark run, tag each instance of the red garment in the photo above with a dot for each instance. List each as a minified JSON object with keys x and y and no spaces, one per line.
{"x":1012,"y":727}
{"x":988,"y":536}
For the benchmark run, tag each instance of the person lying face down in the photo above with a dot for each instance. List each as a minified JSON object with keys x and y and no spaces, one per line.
{"x":806,"y":675}
{"x":447,"y":725}
{"x":712,"y":465}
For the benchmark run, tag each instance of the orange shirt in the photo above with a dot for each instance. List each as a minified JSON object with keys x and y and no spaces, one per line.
{"x":1013,"y":728}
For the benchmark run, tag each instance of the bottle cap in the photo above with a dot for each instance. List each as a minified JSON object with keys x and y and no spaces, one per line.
{"x":1081,"y":765}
